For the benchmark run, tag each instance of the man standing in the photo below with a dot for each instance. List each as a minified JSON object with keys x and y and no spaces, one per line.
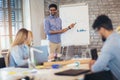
{"x":110,"y":53}
{"x":53,"y":30}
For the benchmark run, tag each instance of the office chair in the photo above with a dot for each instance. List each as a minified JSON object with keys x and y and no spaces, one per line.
{"x":2,"y":62}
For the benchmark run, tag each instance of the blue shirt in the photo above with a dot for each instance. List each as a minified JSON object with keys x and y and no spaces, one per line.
{"x":53,"y":23}
{"x":19,"y":55}
{"x":110,"y":56}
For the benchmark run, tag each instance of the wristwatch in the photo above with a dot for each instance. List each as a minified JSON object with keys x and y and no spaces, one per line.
{"x":69,"y":27}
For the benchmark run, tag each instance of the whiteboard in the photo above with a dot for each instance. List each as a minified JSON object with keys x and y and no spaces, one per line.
{"x":79,"y":35}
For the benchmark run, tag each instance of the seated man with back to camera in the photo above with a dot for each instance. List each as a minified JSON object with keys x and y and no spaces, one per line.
{"x":110,"y":52}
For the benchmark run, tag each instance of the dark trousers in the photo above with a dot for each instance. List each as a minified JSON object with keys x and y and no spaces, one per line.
{"x":2,"y":62}
{"x":103,"y":75}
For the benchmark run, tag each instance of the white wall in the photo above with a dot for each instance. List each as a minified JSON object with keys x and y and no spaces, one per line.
{"x":37,"y":18}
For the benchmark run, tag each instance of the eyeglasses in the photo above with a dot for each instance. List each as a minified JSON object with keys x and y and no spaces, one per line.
{"x":97,"y":29}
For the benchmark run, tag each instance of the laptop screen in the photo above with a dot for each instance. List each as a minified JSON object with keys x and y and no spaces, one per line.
{"x":40,"y":58}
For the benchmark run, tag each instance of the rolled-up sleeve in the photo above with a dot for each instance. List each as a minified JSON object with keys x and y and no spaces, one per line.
{"x":18,"y":58}
{"x":46,"y":26}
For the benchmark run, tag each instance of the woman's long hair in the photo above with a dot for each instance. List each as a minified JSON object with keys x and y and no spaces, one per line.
{"x":30,"y":38}
{"x":21,"y":37}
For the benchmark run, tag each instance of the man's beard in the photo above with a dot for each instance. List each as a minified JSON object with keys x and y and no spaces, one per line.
{"x":54,"y":14}
{"x":103,"y":39}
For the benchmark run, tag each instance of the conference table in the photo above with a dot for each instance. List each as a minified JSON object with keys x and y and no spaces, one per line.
{"x":46,"y":72}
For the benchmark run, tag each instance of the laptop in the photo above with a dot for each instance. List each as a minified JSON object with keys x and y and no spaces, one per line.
{"x":40,"y":58}
{"x":71,"y":53}
{"x":72,"y":72}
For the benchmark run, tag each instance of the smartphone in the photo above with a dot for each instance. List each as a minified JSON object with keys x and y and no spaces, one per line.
{"x":94,"y":54}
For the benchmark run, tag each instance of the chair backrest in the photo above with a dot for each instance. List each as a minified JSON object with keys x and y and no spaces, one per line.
{"x":5,"y":53}
{"x":7,"y":59}
{"x":2,"y":62}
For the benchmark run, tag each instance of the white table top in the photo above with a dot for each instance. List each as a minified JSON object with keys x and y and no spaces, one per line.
{"x":39,"y":74}
{"x":48,"y":74}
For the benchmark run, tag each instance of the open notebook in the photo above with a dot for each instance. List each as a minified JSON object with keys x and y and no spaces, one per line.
{"x":72,"y":72}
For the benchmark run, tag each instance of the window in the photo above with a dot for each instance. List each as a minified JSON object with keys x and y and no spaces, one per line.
{"x":11,"y":20}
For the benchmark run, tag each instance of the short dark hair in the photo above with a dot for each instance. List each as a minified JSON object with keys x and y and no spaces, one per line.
{"x":103,"y":21}
{"x":53,"y":5}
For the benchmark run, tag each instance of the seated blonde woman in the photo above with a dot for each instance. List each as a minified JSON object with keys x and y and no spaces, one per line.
{"x":19,"y":53}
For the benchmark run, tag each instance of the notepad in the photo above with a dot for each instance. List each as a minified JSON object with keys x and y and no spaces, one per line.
{"x":72,"y":72}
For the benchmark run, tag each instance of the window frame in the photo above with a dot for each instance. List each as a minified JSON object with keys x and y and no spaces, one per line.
{"x":9,"y":22}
